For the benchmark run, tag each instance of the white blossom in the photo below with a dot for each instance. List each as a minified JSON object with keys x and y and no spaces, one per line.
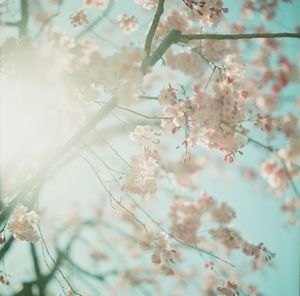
{"x":22,"y":224}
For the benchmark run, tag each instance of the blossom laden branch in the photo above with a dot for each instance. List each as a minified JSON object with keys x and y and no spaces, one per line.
{"x":284,"y":163}
{"x":176,"y":36}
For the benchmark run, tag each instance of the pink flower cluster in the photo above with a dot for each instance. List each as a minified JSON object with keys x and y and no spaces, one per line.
{"x":175,"y":20}
{"x":234,"y":68}
{"x":261,"y":254}
{"x":292,"y":208}
{"x":188,"y":62}
{"x":265,"y":7}
{"x":79,"y":18}
{"x":185,"y":216}
{"x":278,"y":177}
{"x":188,"y":215}
{"x":208,"y":119}
{"x":162,"y":254}
{"x":99,"y":4}
{"x":186,"y":172}
{"x":209,"y":11}
{"x":147,"y":4}
{"x":128,"y":23}
{"x":229,"y":289}
{"x":22,"y":224}
{"x":232,"y":240}
{"x":214,"y":50}
{"x":229,"y":237}
{"x":142,"y":176}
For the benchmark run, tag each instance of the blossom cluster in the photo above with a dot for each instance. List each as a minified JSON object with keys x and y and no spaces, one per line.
{"x":162,"y":254}
{"x":142,"y":175}
{"x":265,"y":7}
{"x":210,"y":120}
{"x":22,"y":224}
{"x":214,"y":50}
{"x":186,"y":62}
{"x":208,"y":11}
{"x":99,"y":4}
{"x":186,"y":172}
{"x":175,"y":20}
{"x":292,"y":208}
{"x":278,"y":176}
{"x":229,"y":289}
{"x":187,"y":216}
{"x":128,"y":23}
{"x":122,"y":78}
{"x":79,"y":18}
{"x":147,"y":4}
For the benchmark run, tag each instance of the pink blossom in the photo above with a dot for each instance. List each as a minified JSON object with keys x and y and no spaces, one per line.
{"x":79,"y":18}
{"x":128,"y":23}
{"x":22,"y":224}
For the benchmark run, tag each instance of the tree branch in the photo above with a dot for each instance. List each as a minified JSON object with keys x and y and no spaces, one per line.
{"x":153,"y":27}
{"x":97,"y":276}
{"x":44,"y":170}
{"x":188,"y":37}
{"x":176,"y":36}
{"x":6,"y":246}
{"x":37,"y":269}
{"x":173,"y":37}
{"x":22,"y":23}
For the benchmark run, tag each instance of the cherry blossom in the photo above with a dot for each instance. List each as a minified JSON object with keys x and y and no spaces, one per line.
{"x":128,"y":23}
{"x":162,"y":254}
{"x":79,"y":18}
{"x":109,"y":138}
{"x":142,"y":175}
{"x":229,"y":289}
{"x":209,"y":11}
{"x":278,"y":176}
{"x":99,"y":4}
{"x":22,"y":224}
{"x":147,"y":4}
{"x":292,"y":207}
